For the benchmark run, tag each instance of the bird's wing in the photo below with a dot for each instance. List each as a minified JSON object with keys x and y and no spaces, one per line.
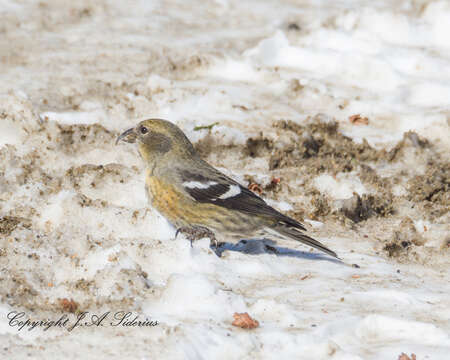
{"x":218,"y":189}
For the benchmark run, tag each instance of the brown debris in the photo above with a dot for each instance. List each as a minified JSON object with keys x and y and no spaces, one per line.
{"x":275,"y":181}
{"x":403,"y":356}
{"x":273,"y":185}
{"x":294,"y":26}
{"x":357,"y":119}
{"x":256,"y":188}
{"x":321,"y":207}
{"x":244,"y":321}
{"x":68,"y":305}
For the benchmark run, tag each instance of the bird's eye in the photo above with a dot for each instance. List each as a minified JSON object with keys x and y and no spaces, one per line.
{"x":143,"y":130}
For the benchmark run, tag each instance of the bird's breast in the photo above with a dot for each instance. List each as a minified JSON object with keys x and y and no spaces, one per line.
{"x":181,"y":210}
{"x":165,"y":198}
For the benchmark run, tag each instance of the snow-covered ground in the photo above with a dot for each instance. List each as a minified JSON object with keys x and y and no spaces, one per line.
{"x":279,"y":80}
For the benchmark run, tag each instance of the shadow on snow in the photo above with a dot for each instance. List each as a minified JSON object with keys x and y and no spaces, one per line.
{"x":265,"y":246}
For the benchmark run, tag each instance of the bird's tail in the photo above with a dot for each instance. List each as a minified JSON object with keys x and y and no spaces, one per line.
{"x":295,"y":234}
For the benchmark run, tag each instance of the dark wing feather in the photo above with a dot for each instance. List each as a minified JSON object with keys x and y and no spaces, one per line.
{"x":305,"y":239}
{"x":245,"y":201}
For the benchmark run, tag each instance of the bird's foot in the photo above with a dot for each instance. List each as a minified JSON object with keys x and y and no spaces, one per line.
{"x":193,"y":233}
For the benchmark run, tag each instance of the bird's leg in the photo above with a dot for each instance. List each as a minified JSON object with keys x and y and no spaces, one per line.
{"x":193,"y":233}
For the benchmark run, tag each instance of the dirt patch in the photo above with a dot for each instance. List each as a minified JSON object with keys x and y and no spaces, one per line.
{"x":92,"y":175}
{"x":21,"y":292}
{"x":321,"y":140}
{"x":208,"y":145}
{"x":359,"y":208}
{"x":403,"y":240}
{"x":321,"y":205}
{"x":410,"y":138}
{"x":8,"y":224}
{"x":433,"y":186}
{"x":430,"y":191}
{"x":74,"y":137}
{"x":323,"y":148}
{"x":259,"y":146}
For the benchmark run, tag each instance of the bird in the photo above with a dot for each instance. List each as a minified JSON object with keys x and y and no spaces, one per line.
{"x":199,"y":200}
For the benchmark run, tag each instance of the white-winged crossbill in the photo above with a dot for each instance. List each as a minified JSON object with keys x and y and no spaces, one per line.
{"x":198,"y":199}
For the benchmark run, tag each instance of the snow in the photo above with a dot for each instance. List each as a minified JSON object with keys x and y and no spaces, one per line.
{"x":74,"y":77}
{"x":376,"y":328}
{"x":93,"y":116}
{"x":341,"y":187}
{"x":9,"y":133}
{"x":281,"y":205}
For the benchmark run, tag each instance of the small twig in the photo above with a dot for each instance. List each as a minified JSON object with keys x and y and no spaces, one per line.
{"x":202,"y":127}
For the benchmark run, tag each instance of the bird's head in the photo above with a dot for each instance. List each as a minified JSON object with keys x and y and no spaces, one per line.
{"x":157,"y":139}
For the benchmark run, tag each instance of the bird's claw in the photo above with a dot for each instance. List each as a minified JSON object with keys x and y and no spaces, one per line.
{"x":193,"y":233}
